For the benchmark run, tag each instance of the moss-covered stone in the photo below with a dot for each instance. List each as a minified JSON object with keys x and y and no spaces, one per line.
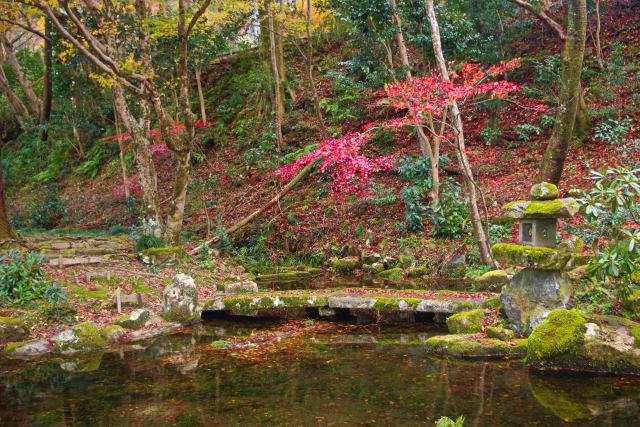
{"x":405,"y":261}
{"x":475,"y":346}
{"x":571,"y":341}
{"x":180,"y":300}
{"x":492,"y":302}
{"x":544,"y":191}
{"x":417,"y":271}
{"x":81,"y":337}
{"x":393,"y":274}
{"x":347,"y":264}
{"x":374,"y":268}
{"x":499,"y":333}
{"x":27,"y":348}
{"x":491,"y":281}
{"x":134,"y":320}
{"x":466,"y":322}
{"x":558,"y":208}
{"x":113,"y":333}
{"x":396,"y":304}
{"x":530,"y":256}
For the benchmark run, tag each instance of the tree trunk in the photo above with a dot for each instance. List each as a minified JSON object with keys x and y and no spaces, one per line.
{"x":276,"y":77}
{"x":203,"y":112}
{"x":316,"y":101}
{"x":140,"y":133}
{"x":556,"y":153}
{"x":123,"y":165}
{"x":7,"y":233}
{"x":266,"y":32}
{"x":598,"y":45}
{"x":47,"y":92}
{"x":476,"y":221}
{"x":178,"y":199}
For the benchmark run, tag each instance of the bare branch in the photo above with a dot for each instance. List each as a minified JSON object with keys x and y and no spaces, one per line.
{"x":194,"y":20}
{"x":542,"y":16}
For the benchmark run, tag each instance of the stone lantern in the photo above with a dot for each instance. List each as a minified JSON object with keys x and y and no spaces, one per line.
{"x":542,"y":284}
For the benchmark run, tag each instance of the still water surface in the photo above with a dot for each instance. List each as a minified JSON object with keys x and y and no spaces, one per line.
{"x":346,"y":374}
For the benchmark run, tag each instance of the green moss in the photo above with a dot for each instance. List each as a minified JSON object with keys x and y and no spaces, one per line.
{"x":466,"y":345}
{"x":394,"y":304}
{"x":11,"y":321}
{"x":346,"y":265}
{"x":394,"y":274}
{"x":528,"y":256}
{"x":466,"y":322}
{"x":89,"y":337}
{"x":510,"y":204}
{"x":99,"y":293}
{"x":543,"y":207}
{"x":11,"y":347}
{"x":492,"y":302}
{"x":559,"y":336}
{"x":544,"y":191}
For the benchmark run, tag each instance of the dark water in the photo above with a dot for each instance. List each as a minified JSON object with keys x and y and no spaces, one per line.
{"x":355,"y":375}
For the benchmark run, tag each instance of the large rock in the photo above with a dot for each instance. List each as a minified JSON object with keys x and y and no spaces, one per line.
{"x":12,"y":330}
{"x":531,"y":295}
{"x":134,"y":320}
{"x":81,"y":337}
{"x":180,"y":299}
{"x":572,"y":341}
{"x":491,"y":281}
{"x":466,"y":322}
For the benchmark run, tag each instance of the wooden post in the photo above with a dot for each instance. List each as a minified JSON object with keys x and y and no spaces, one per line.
{"x":118,"y":301}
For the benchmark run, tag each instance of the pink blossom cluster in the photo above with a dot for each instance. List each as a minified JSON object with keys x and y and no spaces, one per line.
{"x":349,"y":170}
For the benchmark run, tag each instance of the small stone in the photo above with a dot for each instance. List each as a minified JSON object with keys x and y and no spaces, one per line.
{"x":499,"y":333}
{"x":134,"y":320}
{"x":417,"y":271}
{"x":491,"y":281}
{"x":544,"y":191}
{"x":12,"y":330}
{"x":370,"y":257}
{"x":466,"y":322}
{"x":161,"y":257}
{"x":240,"y":287}
{"x":180,"y":299}
{"x":394,"y":274}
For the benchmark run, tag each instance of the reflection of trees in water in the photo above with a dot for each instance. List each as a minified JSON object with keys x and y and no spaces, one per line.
{"x":306,"y":384}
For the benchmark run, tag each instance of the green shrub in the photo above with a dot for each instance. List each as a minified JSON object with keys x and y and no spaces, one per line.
{"x":118,"y":230}
{"x":448,"y":422}
{"x":21,"y":276}
{"x":147,"y":241}
{"x":451,"y":216}
{"x":45,"y":211}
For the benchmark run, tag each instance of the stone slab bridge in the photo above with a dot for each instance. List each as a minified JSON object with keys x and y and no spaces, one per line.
{"x":364,"y":304}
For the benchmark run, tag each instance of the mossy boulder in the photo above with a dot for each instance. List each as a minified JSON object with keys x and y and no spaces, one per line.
{"x":569,"y":340}
{"x":501,"y":334}
{"x":134,"y":320}
{"x":12,"y":330}
{"x":161,"y":257}
{"x":27,"y":348}
{"x":405,"y":261}
{"x":531,"y":295}
{"x":475,"y":346}
{"x":393,"y":274}
{"x":558,"y":208}
{"x":346,"y":265}
{"x":491,"y":281}
{"x":544,"y":191}
{"x":530,"y":256}
{"x":374,"y":268}
{"x":368,"y":257}
{"x":417,"y":271}
{"x":81,"y":337}
{"x":466,"y":322}
{"x":180,"y":300}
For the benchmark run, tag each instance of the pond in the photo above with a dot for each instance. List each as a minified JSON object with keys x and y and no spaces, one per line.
{"x":300,"y":373}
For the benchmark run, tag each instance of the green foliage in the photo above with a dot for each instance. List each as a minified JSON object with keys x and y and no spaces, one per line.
{"x":525,"y":130}
{"x":448,"y":422}
{"x":21,"y":276}
{"x":54,"y":294}
{"x":59,"y":312}
{"x":613,"y":131}
{"x":593,"y":296}
{"x":118,"y":230}
{"x":451,"y":216}
{"x":613,"y":216}
{"x":46,"y":210}
{"x":490,"y":134}
{"x":418,"y":173}
{"x":147,"y":241}
{"x":344,"y":105}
